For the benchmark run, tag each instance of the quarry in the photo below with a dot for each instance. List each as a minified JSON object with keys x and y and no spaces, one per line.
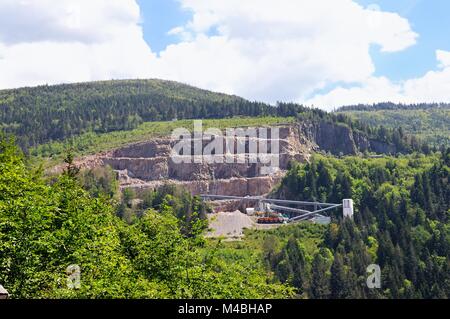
{"x":150,"y":164}
{"x":239,"y":171}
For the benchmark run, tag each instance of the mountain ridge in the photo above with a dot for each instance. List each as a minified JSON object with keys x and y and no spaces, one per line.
{"x":38,"y":115}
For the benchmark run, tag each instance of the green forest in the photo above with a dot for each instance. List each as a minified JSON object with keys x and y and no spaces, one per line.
{"x":45,"y":226}
{"x":54,"y":113}
{"x":402,"y":223}
{"x":45,"y":114}
{"x":429,"y":122}
{"x":157,"y":247}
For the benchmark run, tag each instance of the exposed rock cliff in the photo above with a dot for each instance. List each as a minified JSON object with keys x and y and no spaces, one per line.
{"x":341,"y":139}
{"x":228,"y":187}
{"x":150,"y":164}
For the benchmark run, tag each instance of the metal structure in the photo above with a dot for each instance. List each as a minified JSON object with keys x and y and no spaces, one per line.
{"x":297,"y":214}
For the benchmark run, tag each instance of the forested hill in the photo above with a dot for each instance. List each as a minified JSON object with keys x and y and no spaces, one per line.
{"x":430,"y":122}
{"x":54,"y":113}
{"x":393,"y":107}
{"x":40,"y":114}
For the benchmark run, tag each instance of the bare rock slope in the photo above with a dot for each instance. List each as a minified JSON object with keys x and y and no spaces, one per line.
{"x":149,"y":164}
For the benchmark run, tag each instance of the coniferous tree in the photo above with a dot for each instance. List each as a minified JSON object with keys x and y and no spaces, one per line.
{"x":338,"y":281}
{"x":320,"y":281}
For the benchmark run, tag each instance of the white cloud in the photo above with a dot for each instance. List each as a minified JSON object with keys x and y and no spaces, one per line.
{"x":261,"y":49}
{"x":443,"y":57}
{"x":432,"y":87}
{"x":280,"y":50}
{"x":47,"y":41}
{"x":373,"y":89}
{"x":84,"y":21}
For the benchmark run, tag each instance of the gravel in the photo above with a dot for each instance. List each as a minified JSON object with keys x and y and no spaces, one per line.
{"x":229,"y":224}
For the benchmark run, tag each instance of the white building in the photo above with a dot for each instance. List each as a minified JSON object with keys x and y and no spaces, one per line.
{"x":347,"y":208}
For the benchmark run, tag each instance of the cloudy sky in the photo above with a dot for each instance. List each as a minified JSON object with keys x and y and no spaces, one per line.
{"x":324,"y":53}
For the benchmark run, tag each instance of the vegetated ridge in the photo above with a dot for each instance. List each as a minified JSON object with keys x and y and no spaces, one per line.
{"x":429,"y":122}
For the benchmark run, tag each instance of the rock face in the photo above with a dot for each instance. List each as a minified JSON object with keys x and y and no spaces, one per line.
{"x":228,"y":187}
{"x":238,"y":172}
{"x":140,"y":168}
{"x":330,"y":137}
{"x":150,"y":149}
{"x":341,"y":139}
{"x":234,"y":167}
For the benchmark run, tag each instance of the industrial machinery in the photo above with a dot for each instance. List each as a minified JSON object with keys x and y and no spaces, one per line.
{"x":268,"y":216}
{"x":271,"y":220}
{"x":269,"y":211}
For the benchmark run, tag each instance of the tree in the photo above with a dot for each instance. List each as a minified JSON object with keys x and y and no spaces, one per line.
{"x":320,"y":283}
{"x":72,"y":170}
{"x":270,"y":249}
{"x":292,"y":264}
{"x":324,"y":181}
{"x":339,"y":281}
{"x":342,"y":187}
{"x":44,"y":228}
{"x":128,"y":196}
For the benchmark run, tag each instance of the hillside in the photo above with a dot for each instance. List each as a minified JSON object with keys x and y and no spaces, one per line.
{"x":430,"y":122}
{"x":137,"y":236}
{"x":401,"y":223}
{"x":41,"y":114}
{"x":61,"y":113}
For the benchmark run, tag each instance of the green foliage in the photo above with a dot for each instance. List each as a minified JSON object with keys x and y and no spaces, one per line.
{"x":283,"y":253}
{"x":52,"y":113}
{"x":401,"y":223}
{"x":46,"y":228}
{"x":92,"y":143}
{"x":320,"y":282}
{"x":100,"y":181}
{"x":430,"y":122}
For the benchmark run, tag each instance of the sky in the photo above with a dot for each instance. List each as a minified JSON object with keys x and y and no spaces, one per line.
{"x":322,"y":53}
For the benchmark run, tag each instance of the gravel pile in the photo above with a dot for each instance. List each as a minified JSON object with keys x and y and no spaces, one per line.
{"x":229,"y":224}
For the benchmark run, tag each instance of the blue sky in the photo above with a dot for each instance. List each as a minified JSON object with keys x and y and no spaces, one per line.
{"x":159,"y":17}
{"x":428,"y":18}
{"x":324,"y":53}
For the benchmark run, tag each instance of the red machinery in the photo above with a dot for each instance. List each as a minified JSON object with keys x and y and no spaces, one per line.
{"x":270,"y":220}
